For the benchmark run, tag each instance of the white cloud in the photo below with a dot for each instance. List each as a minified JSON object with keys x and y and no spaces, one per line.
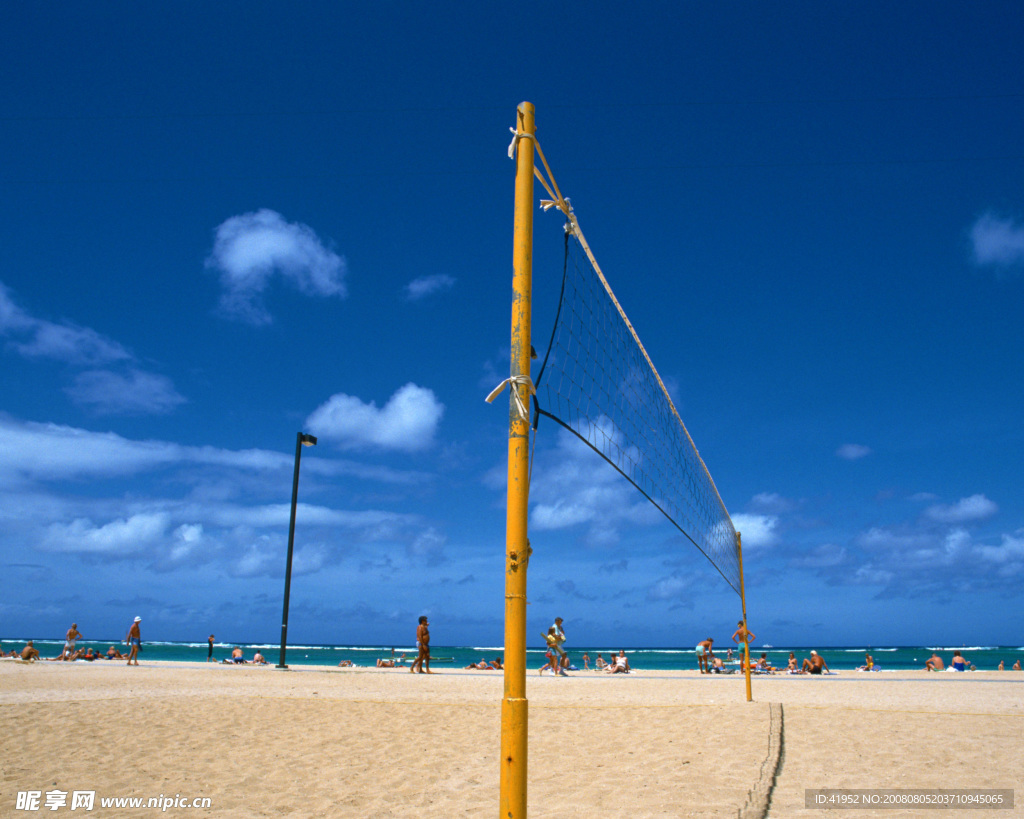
{"x":853,"y":452}
{"x":997,"y":241}
{"x":771,"y":503}
{"x":757,"y":530}
{"x":976,"y":507}
{"x":1011,"y":550}
{"x":45,"y":452}
{"x":250,"y":248}
{"x":428,"y":285}
{"x":428,"y":546}
{"x":67,"y":342}
{"x":824,"y":556}
{"x":572,"y":486}
{"x":671,"y":587}
{"x":137,"y":392}
{"x":128,"y":536}
{"x":406,"y":423}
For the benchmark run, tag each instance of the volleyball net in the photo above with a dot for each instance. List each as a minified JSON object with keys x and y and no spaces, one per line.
{"x":598,"y":382}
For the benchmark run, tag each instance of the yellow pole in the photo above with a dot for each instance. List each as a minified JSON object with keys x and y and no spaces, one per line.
{"x":743,"y":600}
{"x":517,"y":548}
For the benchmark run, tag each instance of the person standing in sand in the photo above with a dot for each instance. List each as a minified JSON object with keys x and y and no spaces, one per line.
{"x":422,"y":647}
{"x":742,"y":634}
{"x":703,"y":655}
{"x":134,"y":641}
{"x":69,"y":642}
{"x":209,"y":653}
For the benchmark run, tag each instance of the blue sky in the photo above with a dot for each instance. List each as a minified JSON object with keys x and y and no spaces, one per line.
{"x":224,"y":223}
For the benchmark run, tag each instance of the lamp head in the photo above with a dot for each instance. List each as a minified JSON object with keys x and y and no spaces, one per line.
{"x":307,"y":440}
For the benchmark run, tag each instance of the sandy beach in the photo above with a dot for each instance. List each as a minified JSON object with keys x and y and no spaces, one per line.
{"x":316,"y":741}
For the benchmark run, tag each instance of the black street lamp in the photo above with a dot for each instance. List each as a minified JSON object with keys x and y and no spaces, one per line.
{"x":301,"y":441}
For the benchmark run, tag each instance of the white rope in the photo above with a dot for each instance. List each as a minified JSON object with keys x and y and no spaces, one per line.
{"x":516,"y":136}
{"x":514,"y":381}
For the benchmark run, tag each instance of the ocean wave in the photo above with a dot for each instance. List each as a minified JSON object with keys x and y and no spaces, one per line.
{"x":962,"y":648}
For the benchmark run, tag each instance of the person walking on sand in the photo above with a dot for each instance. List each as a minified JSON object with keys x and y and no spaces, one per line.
{"x":422,"y":647}
{"x":134,"y":641}
{"x":559,"y":639}
{"x":69,"y":642}
{"x":209,"y":652}
{"x":703,"y":655}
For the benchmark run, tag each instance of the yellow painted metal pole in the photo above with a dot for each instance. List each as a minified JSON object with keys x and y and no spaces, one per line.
{"x":743,"y":600}
{"x":517,"y":547}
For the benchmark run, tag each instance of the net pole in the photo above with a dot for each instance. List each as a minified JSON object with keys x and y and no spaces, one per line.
{"x":514,"y":706}
{"x":743,"y":602}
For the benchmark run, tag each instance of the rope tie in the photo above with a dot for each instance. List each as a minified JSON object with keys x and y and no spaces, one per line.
{"x":516,"y":136}
{"x":514,"y":381}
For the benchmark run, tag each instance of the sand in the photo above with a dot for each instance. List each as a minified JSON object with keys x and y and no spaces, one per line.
{"x":258,"y":741}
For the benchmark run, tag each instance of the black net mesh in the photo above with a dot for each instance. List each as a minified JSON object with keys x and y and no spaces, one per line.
{"x":597,"y":382}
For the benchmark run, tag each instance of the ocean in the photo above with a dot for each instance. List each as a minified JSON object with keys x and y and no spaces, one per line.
{"x":838,"y":658}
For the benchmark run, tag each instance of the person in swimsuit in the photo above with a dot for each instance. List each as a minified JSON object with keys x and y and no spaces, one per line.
{"x":69,"y":642}
{"x":934,"y":663}
{"x":958,"y":662}
{"x":422,"y":647}
{"x":30,"y":652}
{"x":209,"y":652}
{"x":704,"y":654}
{"x":815,"y":665}
{"x":134,"y":640}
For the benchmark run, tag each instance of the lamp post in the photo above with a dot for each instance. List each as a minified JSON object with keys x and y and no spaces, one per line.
{"x":301,"y":440}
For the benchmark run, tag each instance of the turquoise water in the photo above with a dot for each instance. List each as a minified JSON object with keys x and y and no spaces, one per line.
{"x":848,"y":658}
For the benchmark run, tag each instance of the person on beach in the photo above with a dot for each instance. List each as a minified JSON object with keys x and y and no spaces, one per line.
{"x":934,"y":663}
{"x":815,"y":664}
{"x":1016,"y":666}
{"x":554,"y":662}
{"x":259,"y":659}
{"x":586,"y":661}
{"x":422,"y":648}
{"x":30,"y":653}
{"x":209,"y":651}
{"x":621,"y":664}
{"x":134,"y":641}
{"x":69,"y":642}
{"x":497,"y":664}
{"x":704,"y":654}
{"x":869,"y":663}
{"x":599,"y":663}
{"x":958,"y":662}
{"x":791,"y":666}
{"x":742,"y":635}
{"x":559,"y":639}
{"x":114,"y":654}
{"x":1002,"y":666}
